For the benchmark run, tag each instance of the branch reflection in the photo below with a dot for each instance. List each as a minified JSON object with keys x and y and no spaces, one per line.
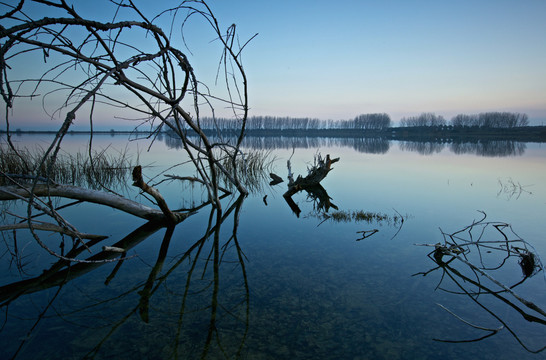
{"x":466,"y":260}
{"x":206,"y":280}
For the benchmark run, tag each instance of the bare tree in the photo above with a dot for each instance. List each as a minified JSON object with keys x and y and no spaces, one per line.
{"x":126,"y":62}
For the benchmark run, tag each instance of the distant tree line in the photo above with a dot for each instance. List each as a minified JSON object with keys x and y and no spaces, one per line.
{"x":283,"y":123}
{"x":491,"y":120}
{"x":373,"y":121}
{"x":367,"y":122}
{"x":425,"y":119}
{"x":483,"y":120}
{"x":361,"y":122}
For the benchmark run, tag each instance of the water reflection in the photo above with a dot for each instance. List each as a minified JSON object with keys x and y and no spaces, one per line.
{"x":493,"y":148}
{"x":376,"y":145}
{"x":422,"y":147}
{"x":467,"y":259}
{"x":364,"y":145}
{"x":306,"y":285}
{"x":487,"y":148}
{"x":178,"y":304}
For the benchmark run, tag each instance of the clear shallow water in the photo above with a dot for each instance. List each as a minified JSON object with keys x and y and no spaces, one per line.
{"x":299,"y":287}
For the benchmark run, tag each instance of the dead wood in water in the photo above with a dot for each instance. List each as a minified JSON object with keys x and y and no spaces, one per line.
{"x":62,"y":271}
{"x":320,"y":169}
{"x":92,"y":65}
{"x":139,"y":182}
{"x":275,"y":179}
{"x":483,"y":249}
{"x":93,"y":196}
{"x":311,"y":183}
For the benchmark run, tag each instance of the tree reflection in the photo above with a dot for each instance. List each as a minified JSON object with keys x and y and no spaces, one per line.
{"x":381,"y":145}
{"x":490,"y":148}
{"x":322,"y":202}
{"x":422,"y":147}
{"x":487,"y":148}
{"x":192,"y":280}
{"x":369,"y":145}
{"x":469,"y":256}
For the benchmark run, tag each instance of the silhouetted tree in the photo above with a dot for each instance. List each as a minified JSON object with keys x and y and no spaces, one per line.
{"x":120,"y":58}
{"x":372,"y":121}
{"x":425,"y":119}
{"x":491,"y":120}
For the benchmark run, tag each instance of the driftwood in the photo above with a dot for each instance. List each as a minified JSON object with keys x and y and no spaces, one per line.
{"x":311,"y":183}
{"x":275,"y":179}
{"x":318,"y":172}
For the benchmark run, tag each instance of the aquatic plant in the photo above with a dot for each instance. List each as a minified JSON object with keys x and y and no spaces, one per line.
{"x":102,"y":169}
{"x":252,"y":168}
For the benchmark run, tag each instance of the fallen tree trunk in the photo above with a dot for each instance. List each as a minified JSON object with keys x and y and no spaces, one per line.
{"x":93,"y":196}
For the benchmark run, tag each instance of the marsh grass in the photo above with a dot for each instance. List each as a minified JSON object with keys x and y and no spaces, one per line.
{"x":363,"y":216}
{"x":252,"y":168}
{"x":103,"y":169}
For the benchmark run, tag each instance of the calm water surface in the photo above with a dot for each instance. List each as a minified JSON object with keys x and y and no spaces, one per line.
{"x":272,"y":285}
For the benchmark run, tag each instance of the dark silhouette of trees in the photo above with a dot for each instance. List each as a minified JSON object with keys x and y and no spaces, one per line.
{"x":491,"y":120}
{"x":369,"y":122}
{"x":361,"y":122}
{"x":425,"y":119}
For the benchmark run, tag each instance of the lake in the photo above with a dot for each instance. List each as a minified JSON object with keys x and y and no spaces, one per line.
{"x":362,"y":281}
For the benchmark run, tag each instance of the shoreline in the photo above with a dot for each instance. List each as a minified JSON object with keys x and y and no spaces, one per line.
{"x":439,"y":134}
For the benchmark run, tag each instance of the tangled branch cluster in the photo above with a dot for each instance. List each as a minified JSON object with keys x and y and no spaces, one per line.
{"x":484,"y":248}
{"x":113,"y":66}
{"x":51,"y":50}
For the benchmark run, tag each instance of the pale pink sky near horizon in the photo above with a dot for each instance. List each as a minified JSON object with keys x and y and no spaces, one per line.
{"x":329,"y":60}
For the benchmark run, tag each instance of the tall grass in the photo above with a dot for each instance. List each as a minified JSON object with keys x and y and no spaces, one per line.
{"x":102,"y":169}
{"x":252,"y":168}
{"x":363,"y":216}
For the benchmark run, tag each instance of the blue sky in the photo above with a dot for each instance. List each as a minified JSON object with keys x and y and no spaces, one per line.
{"x":338,"y":59}
{"x":335,"y":60}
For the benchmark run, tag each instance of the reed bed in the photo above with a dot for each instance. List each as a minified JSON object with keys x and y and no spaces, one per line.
{"x":362,"y":216}
{"x":253,"y":169}
{"x":101,"y":169}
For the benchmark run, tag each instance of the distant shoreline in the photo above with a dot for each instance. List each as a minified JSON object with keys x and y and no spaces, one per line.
{"x":440,"y":133}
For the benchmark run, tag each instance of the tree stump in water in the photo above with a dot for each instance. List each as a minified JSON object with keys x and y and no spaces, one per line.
{"x":311,"y":182}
